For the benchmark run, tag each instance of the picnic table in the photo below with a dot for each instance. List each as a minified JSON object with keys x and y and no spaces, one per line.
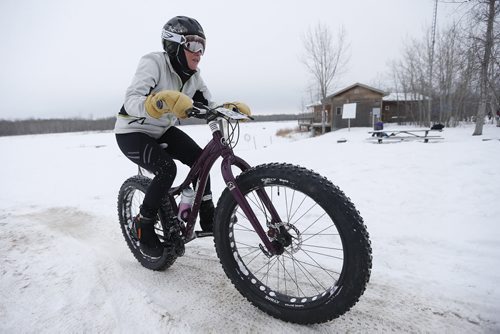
{"x":404,"y":135}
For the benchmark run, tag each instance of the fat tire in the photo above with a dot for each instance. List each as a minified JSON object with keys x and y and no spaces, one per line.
{"x":127,"y":190}
{"x":357,"y":261}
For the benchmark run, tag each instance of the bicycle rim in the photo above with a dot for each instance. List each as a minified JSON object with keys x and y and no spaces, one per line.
{"x":309,"y":268}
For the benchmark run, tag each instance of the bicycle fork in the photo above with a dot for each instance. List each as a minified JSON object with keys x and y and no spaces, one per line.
{"x":229,"y":179}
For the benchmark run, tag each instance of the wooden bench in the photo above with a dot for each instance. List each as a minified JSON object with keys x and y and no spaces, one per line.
{"x":403,"y":135}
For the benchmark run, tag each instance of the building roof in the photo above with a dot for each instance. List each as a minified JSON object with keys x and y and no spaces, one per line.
{"x":354,"y":85}
{"x":404,"y":97}
{"x":314,"y":104}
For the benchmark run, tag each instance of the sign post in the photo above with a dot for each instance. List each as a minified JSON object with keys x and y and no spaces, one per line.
{"x":348,"y":112}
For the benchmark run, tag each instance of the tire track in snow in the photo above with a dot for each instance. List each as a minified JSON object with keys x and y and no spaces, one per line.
{"x":64,"y":269}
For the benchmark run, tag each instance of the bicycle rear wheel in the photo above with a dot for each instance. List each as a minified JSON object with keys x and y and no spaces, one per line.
{"x":130,"y":199}
{"x":326,"y":259}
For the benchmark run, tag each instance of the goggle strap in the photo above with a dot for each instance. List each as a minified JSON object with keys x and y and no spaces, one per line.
{"x":173,"y":37}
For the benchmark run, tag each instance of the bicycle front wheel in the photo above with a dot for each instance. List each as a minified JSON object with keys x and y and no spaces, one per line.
{"x":325,"y":262}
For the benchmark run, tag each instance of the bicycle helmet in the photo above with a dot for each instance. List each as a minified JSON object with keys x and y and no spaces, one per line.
{"x":175,"y":31}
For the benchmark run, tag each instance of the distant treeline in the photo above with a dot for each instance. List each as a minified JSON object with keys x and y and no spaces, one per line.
{"x":39,"y":126}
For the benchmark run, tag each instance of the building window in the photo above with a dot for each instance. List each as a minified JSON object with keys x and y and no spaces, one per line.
{"x":386,"y":108}
{"x":339,"y":111}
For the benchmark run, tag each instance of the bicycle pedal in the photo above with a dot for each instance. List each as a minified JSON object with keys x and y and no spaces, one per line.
{"x":203,"y":234}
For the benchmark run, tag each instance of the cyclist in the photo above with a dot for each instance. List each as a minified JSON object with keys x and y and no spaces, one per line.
{"x":163,"y":89}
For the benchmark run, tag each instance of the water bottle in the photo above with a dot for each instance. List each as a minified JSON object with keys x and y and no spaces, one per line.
{"x":187,"y":198}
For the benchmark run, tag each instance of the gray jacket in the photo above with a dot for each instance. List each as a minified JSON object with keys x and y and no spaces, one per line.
{"x":154,"y":73}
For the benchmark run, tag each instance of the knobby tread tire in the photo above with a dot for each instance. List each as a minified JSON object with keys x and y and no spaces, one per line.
{"x":141,"y":183}
{"x":355,"y":238}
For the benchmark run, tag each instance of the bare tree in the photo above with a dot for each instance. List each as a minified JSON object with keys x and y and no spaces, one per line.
{"x":411,"y":75}
{"x":466,"y":80}
{"x":486,"y":15}
{"x":455,"y":75}
{"x":495,"y":74}
{"x":325,"y":58}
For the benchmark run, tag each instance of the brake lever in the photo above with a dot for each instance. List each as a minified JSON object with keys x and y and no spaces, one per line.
{"x":198,"y":110}
{"x":192,"y":112}
{"x":199,"y":105}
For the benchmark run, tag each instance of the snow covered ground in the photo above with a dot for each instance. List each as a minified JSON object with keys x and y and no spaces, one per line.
{"x":432,"y":210}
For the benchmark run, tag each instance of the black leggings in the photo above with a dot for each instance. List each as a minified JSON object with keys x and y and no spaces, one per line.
{"x":146,"y":152}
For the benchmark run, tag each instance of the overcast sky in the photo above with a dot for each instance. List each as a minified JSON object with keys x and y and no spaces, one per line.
{"x":66,"y":58}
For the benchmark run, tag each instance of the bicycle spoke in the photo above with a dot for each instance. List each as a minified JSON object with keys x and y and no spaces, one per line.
{"x":278,"y":276}
{"x":268,"y":269}
{"x":314,"y":222}
{"x":295,"y":274}
{"x":298,"y":207}
{"x":315,"y":246}
{"x":258,"y":203}
{"x":267,"y":277}
{"x":242,"y":215}
{"x":289,"y":209}
{"x":294,"y":280}
{"x":240,"y":224}
{"x":305,"y":213}
{"x":332,"y":256}
{"x":315,"y":234}
{"x":282,"y":263}
{"x":307,"y":274}
{"x":299,"y":291}
{"x":244,"y":244}
{"x":319,"y":265}
{"x":266,"y":264}
{"x":258,"y":253}
{"x":314,"y":266}
{"x":285,"y":274}
{"x":243,"y":228}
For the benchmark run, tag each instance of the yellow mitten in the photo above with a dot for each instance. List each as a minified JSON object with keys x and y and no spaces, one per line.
{"x":240,"y":106}
{"x":168,"y":101}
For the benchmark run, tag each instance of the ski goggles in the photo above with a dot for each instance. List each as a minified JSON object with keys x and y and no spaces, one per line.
{"x":192,"y":43}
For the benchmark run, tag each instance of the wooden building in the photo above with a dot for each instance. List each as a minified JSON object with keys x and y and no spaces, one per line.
{"x":402,"y":107}
{"x":372,"y":105}
{"x":365,"y":97}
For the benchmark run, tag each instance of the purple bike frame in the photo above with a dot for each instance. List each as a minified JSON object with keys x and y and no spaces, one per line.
{"x":217,"y":147}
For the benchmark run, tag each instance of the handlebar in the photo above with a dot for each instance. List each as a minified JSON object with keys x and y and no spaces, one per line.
{"x":201,"y":111}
